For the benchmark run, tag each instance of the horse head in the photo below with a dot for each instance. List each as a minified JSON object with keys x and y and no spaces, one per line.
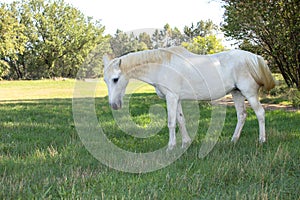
{"x":115,"y":80}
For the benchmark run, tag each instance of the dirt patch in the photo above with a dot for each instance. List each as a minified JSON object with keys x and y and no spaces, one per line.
{"x":227,"y":100}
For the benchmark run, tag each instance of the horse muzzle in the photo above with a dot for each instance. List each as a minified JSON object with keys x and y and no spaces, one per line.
{"x":116,"y":106}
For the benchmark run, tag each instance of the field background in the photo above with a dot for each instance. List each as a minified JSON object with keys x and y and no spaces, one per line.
{"x":42,"y":157}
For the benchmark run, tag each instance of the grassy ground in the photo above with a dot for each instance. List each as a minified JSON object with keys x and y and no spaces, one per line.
{"x":281,"y":94}
{"x":42,"y":157}
{"x":48,"y":89}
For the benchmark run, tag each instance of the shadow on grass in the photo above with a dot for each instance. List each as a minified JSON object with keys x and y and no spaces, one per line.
{"x":49,"y":122}
{"x":41,"y":156}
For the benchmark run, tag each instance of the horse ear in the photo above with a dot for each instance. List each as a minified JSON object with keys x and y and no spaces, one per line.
{"x":106,"y":60}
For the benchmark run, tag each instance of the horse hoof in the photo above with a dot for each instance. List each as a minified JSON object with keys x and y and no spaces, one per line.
{"x":186,"y":144}
{"x":262,"y":140}
{"x":234,"y":140}
{"x":171,"y":147}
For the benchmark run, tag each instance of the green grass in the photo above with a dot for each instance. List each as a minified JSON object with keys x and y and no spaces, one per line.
{"x":42,"y":157}
{"x":281,"y":94}
{"x":50,"y":89}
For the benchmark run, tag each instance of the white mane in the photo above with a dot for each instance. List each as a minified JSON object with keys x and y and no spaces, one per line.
{"x":134,"y":61}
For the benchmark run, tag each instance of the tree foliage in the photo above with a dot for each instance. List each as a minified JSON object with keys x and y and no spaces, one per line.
{"x":273,"y":26}
{"x":12,"y":39}
{"x":200,"y":39}
{"x":58,"y":39}
{"x":202,"y":28}
{"x":123,"y":43}
{"x":204,"y":45}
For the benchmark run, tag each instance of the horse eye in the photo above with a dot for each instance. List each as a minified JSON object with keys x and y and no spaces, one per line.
{"x":115,"y":80}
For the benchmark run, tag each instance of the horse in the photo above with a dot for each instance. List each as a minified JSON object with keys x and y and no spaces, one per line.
{"x":177,"y":74}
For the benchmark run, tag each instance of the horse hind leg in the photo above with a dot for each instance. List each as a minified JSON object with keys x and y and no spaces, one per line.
{"x":260,"y":114}
{"x":172,"y":105}
{"x":250,"y":91}
{"x":186,"y":140}
{"x":239,"y":103}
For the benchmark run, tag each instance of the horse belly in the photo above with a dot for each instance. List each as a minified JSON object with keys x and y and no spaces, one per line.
{"x":208,"y":84}
{"x":201,"y":92}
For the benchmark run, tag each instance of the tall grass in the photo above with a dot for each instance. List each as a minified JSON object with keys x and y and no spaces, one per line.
{"x":42,"y":157}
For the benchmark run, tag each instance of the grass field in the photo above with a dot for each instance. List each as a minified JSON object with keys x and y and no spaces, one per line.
{"x":42,"y":156}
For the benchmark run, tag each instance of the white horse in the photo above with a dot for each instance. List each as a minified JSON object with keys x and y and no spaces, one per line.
{"x":178,"y":74}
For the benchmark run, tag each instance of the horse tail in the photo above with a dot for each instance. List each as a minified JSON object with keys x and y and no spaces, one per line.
{"x":261,"y":73}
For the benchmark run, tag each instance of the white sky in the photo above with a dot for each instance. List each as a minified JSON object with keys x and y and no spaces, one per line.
{"x":128,"y":15}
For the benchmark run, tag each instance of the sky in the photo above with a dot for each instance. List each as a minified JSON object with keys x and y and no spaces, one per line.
{"x":128,"y":15}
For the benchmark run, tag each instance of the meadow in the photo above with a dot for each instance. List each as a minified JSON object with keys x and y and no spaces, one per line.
{"x":42,"y":156}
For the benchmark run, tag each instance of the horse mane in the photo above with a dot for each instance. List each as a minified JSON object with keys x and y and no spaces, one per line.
{"x":133,"y":62}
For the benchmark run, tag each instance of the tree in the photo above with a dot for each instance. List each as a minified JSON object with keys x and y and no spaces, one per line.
{"x":123,"y":43}
{"x":12,"y":39}
{"x":204,"y":45}
{"x":146,"y":39}
{"x":158,"y":39}
{"x":201,"y":39}
{"x":202,"y":28}
{"x":177,"y":37}
{"x":272,"y":25}
{"x":167,"y":37}
{"x":59,"y":37}
{"x":92,"y":66}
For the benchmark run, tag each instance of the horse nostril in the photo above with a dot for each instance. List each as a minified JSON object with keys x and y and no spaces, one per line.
{"x":115,"y":106}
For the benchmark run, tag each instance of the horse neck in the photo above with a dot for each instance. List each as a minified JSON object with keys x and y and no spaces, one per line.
{"x":140,"y":64}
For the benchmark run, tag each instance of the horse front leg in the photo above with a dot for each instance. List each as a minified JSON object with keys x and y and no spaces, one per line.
{"x":172,"y":105}
{"x":239,"y":103}
{"x":186,"y":140}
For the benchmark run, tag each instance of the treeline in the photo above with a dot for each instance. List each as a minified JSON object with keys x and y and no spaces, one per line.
{"x":44,"y":39}
{"x":200,"y":38}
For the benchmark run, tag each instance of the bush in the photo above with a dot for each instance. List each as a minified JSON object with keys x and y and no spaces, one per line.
{"x":294,"y":97}
{"x":281,"y":94}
